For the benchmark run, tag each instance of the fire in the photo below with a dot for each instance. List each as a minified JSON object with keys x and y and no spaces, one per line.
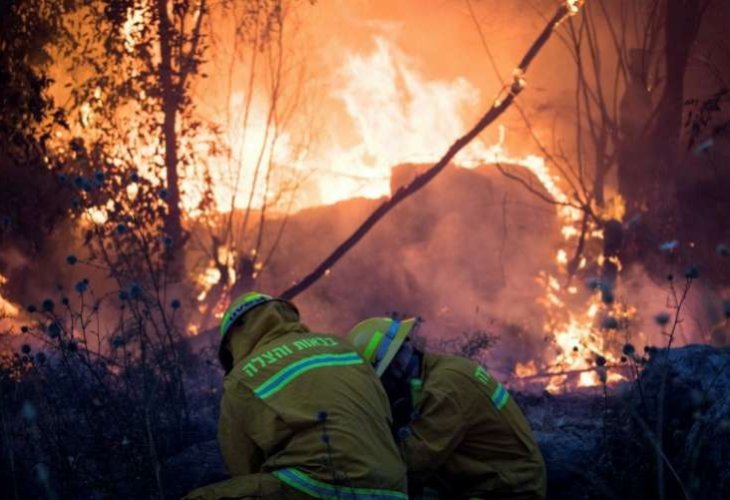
{"x":391,"y":114}
{"x":574,"y":6}
{"x":9,"y":313}
{"x":562,"y":257}
{"x":96,"y":215}
{"x":526,"y":369}
{"x":399,"y":116}
{"x":133,"y":26}
{"x":207,"y":279}
{"x":7,"y":308}
{"x":583,"y":334}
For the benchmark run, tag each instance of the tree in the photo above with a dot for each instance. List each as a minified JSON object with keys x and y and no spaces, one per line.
{"x":31,"y":201}
{"x":119,"y":376}
{"x":265,"y":89}
{"x":180,"y":53}
{"x":631,"y":61}
{"x":631,"y":116}
{"x":130,"y":66}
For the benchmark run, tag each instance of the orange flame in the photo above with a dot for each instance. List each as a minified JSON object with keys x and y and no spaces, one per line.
{"x":396,"y":116}
{"x":7,"y":308}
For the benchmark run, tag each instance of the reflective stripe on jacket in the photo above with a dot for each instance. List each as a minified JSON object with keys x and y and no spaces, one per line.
{"x":307,"y":409}
{"x":470,"y":436}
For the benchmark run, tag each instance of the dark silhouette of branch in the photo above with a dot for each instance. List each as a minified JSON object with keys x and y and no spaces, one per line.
{"x":566,"y":171}
{"x":188,"y":63}
{"x":532,"y":189}
{"x":498,"y":107}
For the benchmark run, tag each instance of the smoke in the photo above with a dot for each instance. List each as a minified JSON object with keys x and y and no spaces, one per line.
{"x":700,"y":315}
{"x":464,"y":254}
{"x":384,"y":83}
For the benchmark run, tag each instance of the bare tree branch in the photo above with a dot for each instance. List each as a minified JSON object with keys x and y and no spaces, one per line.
{"x":532,"y":189}
{"x":498,"y":107}
{"x":188,"y":60}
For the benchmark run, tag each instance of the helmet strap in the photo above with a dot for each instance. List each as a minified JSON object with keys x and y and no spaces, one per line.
{"x":413,"y":367}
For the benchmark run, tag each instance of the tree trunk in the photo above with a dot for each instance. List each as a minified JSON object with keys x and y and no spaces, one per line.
{"x":680,"y":31}
{"x":650,"y":156}
{"x":170,"y":104}
{"x":634,"y":175}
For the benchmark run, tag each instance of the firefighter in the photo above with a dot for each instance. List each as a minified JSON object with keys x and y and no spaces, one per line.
{"x":302,"y":414}
{"x":461,"y":433}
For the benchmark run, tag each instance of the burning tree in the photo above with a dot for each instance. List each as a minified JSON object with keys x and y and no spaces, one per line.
{"x":130,"y":92}
{"x":264,"y":90}
{"x":625,"y":55}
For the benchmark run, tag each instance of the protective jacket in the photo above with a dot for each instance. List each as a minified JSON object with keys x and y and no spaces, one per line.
{"x":468,"y":437}
{"x":305,"y":409}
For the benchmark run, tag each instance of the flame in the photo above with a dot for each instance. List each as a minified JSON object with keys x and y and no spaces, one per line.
{"x":9,"y":320}
{"x":399,"y":116}
{"x":260,"y":147}
{"x":574,"y":6}
{"x":392,"y":115}
{"x":96,"y":215}
{"x":526,"y":369}
{"x":207,"y":279}
{"x":579,"y":336}
{"x":7,"y":308}
{"x":562,"y":256}
{"x":133,"y":26}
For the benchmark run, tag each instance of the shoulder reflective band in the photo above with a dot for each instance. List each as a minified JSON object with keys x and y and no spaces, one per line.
{"x":500,"y":397}
{"x":482,"y":375}
{"x":317,"y":489}
{"x":281,"y":378}
{"x":389,"y":336}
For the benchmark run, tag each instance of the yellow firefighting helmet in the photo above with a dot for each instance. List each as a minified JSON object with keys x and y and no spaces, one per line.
{"x":379,"y":339}
{"x":239,"y":307}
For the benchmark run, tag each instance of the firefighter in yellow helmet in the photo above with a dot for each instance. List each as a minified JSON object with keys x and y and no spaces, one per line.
{"x":302,"y":415}
{"x":461,"y":433}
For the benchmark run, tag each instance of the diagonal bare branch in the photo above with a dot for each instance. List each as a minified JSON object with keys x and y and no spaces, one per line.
{"x":565,"y":10}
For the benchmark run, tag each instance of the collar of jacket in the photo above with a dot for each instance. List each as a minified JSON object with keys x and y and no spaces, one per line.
{"x":262,"y":325}
{"x":427,"y":362}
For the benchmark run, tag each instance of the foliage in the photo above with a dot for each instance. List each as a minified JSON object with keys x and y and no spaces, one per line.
{"x":702,"y":116}
{"x":97,"y":397}
{"x":656,"y":434}
{"x":263,"y":68}
{"x":30,"y":202}
{"x":27,"y":30}
{"x":130,"y":66}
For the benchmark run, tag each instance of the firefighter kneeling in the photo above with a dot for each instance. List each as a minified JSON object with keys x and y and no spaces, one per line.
{"x":461,"y":433}
{"x":302,"y":414}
